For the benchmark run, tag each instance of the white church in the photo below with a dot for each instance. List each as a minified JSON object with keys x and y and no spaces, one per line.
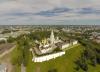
{"x":45,"y":50}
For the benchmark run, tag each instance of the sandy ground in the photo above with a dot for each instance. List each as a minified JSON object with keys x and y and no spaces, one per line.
{"x":38,"y":69}
{"x":6,"y":61}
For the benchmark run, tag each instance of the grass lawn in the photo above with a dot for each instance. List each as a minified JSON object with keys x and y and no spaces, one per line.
{"x":94,"y":69}
{"x":64,"y":63}
{"x":14,"y":53}
{"x":7,"y":59}
{"x":16,"y":68}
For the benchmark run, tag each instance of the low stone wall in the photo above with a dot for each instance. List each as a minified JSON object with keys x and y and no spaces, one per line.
{"x":48,"y":57}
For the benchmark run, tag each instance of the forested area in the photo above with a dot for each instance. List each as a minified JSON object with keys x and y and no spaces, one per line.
{"x":89,"y":56}
{"x":22,"y":51}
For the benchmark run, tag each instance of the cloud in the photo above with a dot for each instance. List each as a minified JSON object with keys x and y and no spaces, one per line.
{"x":53,"y":12}
{"x":89,"y":11}
{"x":19,"y":14}
{"x":34,"y":11}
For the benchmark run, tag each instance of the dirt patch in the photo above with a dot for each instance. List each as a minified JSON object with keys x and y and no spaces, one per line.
{"x":5,"y":47}
{"x":6,"y":59}
{"x":38,"y":69}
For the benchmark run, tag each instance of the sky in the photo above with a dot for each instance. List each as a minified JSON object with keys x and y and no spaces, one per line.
{"x":67,"y":12}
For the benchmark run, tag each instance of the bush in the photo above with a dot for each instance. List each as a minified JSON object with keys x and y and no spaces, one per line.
{"x":1,"y":42}
{"x":53,"y":70}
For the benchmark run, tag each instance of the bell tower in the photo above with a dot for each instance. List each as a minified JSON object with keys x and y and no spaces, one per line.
{"x":52,"y":39}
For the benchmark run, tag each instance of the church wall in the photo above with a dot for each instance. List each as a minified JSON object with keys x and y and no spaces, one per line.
{"x":47,"y":57}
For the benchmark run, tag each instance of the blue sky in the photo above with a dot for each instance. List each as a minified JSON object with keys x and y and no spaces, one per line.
{"x":49,"y":12}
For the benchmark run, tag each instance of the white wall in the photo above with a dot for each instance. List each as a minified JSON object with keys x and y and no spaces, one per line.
{"x":75,"y":42}
{"x":46,"y":50}
{"x":47,"y":57}
{"x":65,"y":46}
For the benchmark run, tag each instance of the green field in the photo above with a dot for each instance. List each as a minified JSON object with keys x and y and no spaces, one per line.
{"x":14,"y":53}
{"x":64,"y":63}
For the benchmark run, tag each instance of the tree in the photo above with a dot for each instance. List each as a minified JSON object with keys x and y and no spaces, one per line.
{"x":17,"y":56}
{"x":98,"y":58}
{"x":2,"y":41}
{"x":11,"y":39}
{"x":22,"y":51}
{"x":81,"y":63}
{"x":25,"y":52}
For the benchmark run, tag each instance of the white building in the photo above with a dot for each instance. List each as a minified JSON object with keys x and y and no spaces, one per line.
{"x":66,"y":45}
{"x":48,"y":46}
{"x":52,"y":39}
{"x":48,"y":57}
{"x":46,"y":49}
{"x":74,"y":42}
{"x":3,"y":39}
